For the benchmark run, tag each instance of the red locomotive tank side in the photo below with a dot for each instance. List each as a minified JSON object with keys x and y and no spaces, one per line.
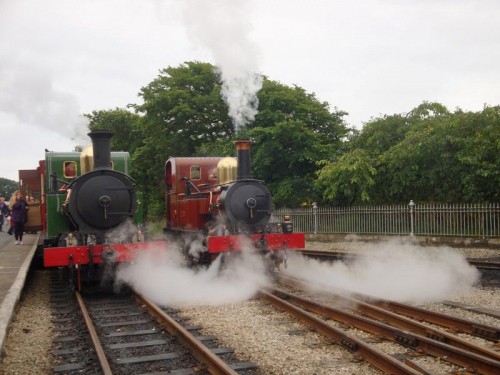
{"x":188,"y":195}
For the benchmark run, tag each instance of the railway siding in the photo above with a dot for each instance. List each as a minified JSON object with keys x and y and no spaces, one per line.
{"x":269,"y":338}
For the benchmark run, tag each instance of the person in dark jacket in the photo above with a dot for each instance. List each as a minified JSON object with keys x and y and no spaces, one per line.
{"x":19,"y":215}
{"x":4,"y":212}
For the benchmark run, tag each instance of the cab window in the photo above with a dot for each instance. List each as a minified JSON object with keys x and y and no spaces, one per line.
{"x":195,"y":172}
{"x":69,"y":169}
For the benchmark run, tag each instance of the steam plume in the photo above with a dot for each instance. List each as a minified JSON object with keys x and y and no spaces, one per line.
{"x":164,"y":277}
{"x":395,"y":271}
{"x":28,"y":93}
{"x":223,"y":27}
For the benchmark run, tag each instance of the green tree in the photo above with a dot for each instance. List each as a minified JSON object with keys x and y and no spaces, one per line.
{"x":182,"y":111}
{"x":380,"y":134}
{"x":7,"y":187}
{"x":280,"y":103}
{"x":447,"y":157}
{"x":285,"y":156}
{"x":124,"y":124}
{"x":347,"y":180}
{"x":293,"y":131}
{"x":422,"y":166}
{"x":427,"y":110}
{"x":352,"y":175}
{"x":428,"y":155}
{"x":183,"y":115}
{"x":477,"y":138}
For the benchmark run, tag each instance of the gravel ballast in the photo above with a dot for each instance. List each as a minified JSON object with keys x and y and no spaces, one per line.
{"x":257,"y":331}
{"x":28,"y":344}
{"x":279,"y":345}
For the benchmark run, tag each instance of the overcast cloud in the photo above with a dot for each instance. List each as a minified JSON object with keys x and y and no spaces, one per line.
{"x":62,"y":58}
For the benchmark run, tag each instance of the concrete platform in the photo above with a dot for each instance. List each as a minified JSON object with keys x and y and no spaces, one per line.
{"x":15,"y":261}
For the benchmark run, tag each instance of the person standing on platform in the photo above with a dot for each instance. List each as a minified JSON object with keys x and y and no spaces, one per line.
{"x":4,"y":212}
{"x":19,"y":215}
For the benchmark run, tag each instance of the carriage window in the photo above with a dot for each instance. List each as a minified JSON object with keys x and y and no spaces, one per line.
{"x":195,"y":172}
{"x":69,"y":169}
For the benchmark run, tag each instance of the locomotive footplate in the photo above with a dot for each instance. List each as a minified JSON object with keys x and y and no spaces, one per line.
{"x":272,"y":242}
{"x":80,"y":255}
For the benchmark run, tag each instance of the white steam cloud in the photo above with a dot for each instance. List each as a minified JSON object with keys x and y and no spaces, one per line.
{"x":392,"y":270}
{"x":125,"y":232}
{"x":223,"y":27}
{"x":163,"y":276}
{"x":27,"y":92}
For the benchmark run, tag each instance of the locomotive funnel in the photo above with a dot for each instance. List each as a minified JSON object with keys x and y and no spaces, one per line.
{"x":243,"y":148}
{"x":101,"y":147}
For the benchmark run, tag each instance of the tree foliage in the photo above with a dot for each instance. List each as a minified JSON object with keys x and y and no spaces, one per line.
{"x":428,"y":155}
{"x":181,"y":112}
{"x":7,"y":188}
{"x":292,"y":132}
{"x":349,"y":179}
{"x":303,"y":149}
{"x":123,"y":123}
{"x":183,"y":115}
{"x":183,"y":109}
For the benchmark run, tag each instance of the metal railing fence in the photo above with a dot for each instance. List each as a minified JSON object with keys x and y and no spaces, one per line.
{"x":458,"y":220}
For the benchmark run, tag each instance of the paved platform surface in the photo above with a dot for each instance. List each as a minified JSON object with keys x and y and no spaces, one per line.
{"x":15,"y":261}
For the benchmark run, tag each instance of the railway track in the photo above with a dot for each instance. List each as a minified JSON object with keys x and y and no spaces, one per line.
{"x":375,"y":319}
{"x":132,"y":335}
{"x":377,"y":358}
{"x":259,"y":329}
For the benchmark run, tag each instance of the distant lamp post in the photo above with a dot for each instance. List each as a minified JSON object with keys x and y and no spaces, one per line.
{"x":315,"y":216}
{"x":412,"y":211}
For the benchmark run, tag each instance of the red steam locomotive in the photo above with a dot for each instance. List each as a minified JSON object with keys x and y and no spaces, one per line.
{"x":216,"y":199}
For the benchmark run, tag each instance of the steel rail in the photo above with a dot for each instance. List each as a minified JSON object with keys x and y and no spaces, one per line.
{"x":204,"y":355}
{"x":402,"y":322}
{"x":381,"y":313}
{"x":458,"y":324}
{"x":438,"y":349}
{"x":484,"y":264}
{"x":377,"y":358}
{"x":103,"y":361}
{"x":418,"y":367}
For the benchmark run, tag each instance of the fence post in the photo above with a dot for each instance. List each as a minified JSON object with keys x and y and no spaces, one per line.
{"x":315,"y":216}
{"x":412,"y":206}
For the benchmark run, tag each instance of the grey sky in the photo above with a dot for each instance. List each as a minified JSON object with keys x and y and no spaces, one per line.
{"x":62,"y":58}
